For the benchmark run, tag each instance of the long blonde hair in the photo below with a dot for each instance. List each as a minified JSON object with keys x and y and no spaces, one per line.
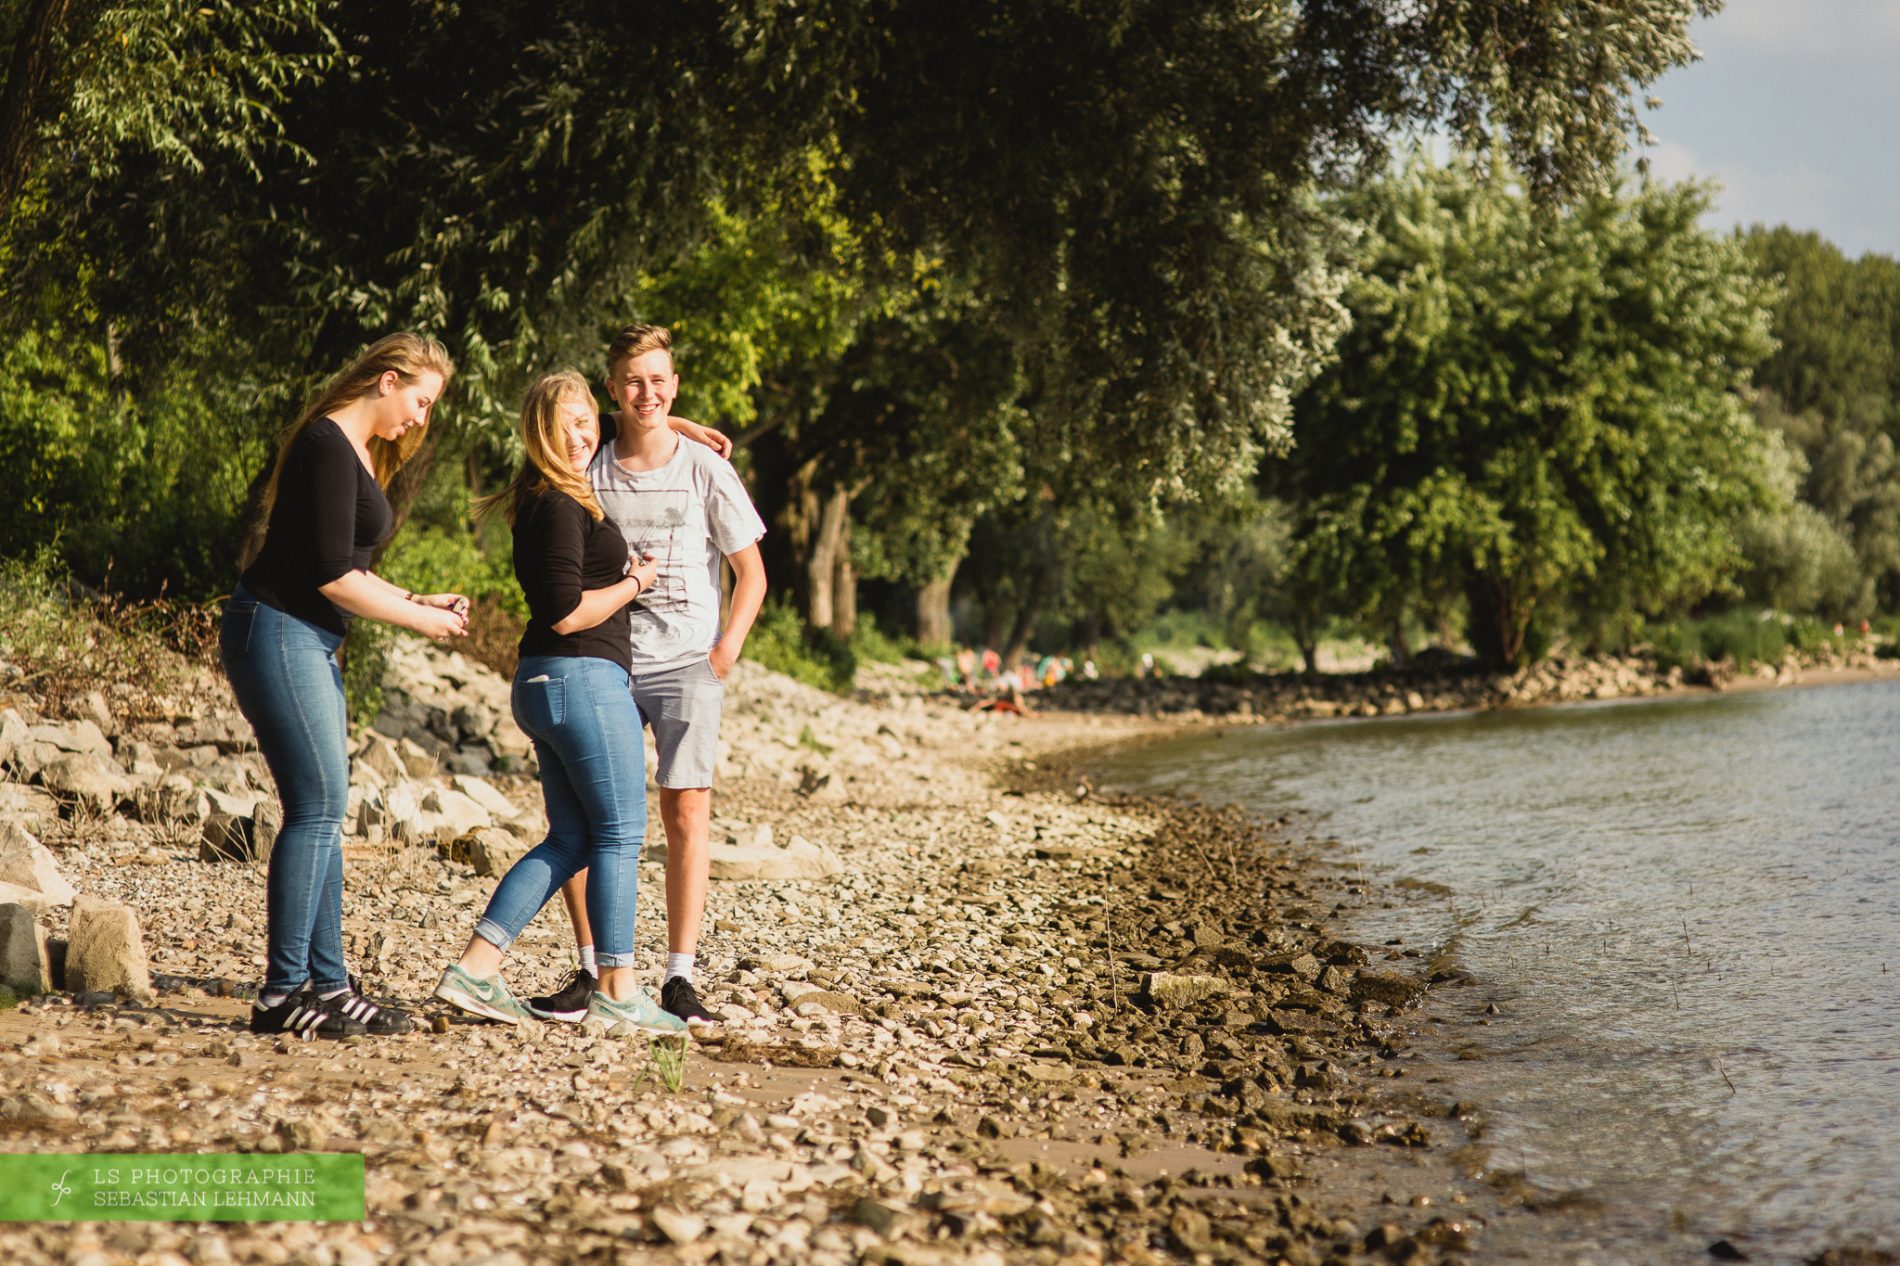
{"x":408,"y":356}
{"x":544,"y":441}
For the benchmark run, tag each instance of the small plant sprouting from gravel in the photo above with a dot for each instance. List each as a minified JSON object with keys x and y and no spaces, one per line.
{"x":666,"y":1062}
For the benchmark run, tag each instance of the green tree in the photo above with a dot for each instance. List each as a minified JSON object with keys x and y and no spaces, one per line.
{"x":1130,"y":187}
{"x":1831,"y":390}
{"x":1539,"y":412}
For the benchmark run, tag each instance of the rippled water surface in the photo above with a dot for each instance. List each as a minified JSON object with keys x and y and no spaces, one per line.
{"x":1671,"y":899}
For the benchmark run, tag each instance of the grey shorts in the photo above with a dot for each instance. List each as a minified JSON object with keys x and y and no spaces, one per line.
{"x":682,"y":706}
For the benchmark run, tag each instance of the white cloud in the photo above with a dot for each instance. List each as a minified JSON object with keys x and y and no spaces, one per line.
{"x":1672,"y":163}
{"x":1826,"y":31}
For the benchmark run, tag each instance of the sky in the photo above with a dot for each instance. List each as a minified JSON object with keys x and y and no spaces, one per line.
{"x":1793,"y":109}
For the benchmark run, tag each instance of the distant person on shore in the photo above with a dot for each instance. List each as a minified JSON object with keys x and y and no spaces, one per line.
{"x":571,"y":699}
{"x":323,"y":516}
{"x":683,"y":504}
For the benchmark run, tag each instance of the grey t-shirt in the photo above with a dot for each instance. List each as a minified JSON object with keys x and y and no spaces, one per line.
{"x":688,"y":514}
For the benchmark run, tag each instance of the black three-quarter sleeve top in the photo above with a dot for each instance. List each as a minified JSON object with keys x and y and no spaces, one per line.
{"x":561,"y":550}
{"x":329,"y":517}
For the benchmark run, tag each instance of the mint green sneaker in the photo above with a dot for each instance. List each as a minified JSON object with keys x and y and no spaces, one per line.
{"x":638,"y":1014}
{"x":488,"y":998}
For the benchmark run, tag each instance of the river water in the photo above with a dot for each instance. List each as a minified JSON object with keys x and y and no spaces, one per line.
{"x":1688,"y":913}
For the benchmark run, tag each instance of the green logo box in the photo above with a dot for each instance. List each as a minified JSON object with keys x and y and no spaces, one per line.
{"x":175,"y":1187}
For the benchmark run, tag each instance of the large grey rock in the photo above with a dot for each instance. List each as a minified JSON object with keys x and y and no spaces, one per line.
{"x":75,"y":736}
{"x":396,"y":808}
{"x":89,"y":779}
{"x":235,"y":804}
{"x":417,"y":759}
{"x":229,"y":838}
{"x":266,"y":822}
{"x":94,"y":708}
{"x":485,"y":794}
{"x":1175,"y":991}
{"x":24,"y":965}
{"x":755,"y":855}
{"x":1394,"y":989}
{"x":173,"y":798}
{"x":378,"y":753}
{"x":32,"y":898}
{"x":25,"y":862}
{"x":447,"y":814}
{"x":13,"y":735}
{"x":30,"y":807}
{"x":105,"y":951}
{"x":491,"y":850}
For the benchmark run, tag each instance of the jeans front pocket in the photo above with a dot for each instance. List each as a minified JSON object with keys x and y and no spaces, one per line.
{"x":541,"y":705}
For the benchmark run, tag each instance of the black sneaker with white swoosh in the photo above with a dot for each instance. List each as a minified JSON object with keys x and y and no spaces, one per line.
{"x":678,"y":997}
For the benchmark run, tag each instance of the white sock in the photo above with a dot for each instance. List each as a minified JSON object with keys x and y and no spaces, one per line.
{"x":334,"y":993}
{"x":680,"y":965}
{"x":588,"y":964}
{"x":265,"y":1001}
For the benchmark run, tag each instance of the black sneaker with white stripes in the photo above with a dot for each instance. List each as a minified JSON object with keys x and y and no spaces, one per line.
{"x":678,"y":997}
{"x":305,"y":1015}
{"x":377,"y":1019}
{"x":569,"y":1002}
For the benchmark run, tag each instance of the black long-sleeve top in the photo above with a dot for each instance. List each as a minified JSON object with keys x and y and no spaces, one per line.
{"x":329,"y":517}
{"x":561,"y":550}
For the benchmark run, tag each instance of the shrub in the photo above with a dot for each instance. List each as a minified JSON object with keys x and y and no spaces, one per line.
{"x":779,"y":641}
{"x":66,"y":641}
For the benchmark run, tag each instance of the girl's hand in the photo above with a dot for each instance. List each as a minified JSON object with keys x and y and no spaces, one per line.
{"x":438,"y":624}
{"x":645,"y":568}
{"x":446,"y":601}
{"x":718,"y":441}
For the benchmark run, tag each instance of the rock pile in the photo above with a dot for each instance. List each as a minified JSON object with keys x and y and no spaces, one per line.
{"x":1437,"y":686}
{"x":452,"y":708}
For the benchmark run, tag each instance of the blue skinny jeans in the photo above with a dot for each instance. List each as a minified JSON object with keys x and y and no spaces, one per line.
{"x":284,"y":673}
{"x":581,"y":718}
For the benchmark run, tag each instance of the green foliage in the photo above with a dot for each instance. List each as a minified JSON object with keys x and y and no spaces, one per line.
{"x":1744,"y":638}
{"x":365,"y":657}
{"x":868,"y":641}
{"x":780,"y":641}
{"x":1537,"y":414}
{"x":447,"y":560}
{"x":66,"y":643}
{"x":1060,"y":267}
{"x":1794,"y":556}
{"x":1831,"y":389}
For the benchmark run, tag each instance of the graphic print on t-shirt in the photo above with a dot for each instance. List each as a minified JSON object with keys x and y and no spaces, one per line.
{"x":652,"y":525}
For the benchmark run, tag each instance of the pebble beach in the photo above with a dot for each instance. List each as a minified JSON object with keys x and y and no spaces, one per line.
{"x":974,"y":1009}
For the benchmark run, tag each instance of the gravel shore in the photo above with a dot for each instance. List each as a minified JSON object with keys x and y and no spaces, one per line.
{"x":1021,"y":1022}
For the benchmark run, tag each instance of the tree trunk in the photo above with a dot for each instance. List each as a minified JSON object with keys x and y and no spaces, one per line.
{"x":1500,"y":619}
{"x":1308,"y":644}
{"x":934,"y":627}
{"x":817,"y":523}
{"x":1025,"y":626}
{"x":36,"y":86}
{"x":992,"y":624}
{"x":1398,"y":644}
{"x":844,"y":576}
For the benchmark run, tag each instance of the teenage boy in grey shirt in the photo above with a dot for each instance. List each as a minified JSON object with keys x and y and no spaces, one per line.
{"x":683,"y":505}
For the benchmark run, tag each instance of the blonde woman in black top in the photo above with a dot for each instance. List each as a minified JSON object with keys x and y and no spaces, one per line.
{"x":571,"y":697}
